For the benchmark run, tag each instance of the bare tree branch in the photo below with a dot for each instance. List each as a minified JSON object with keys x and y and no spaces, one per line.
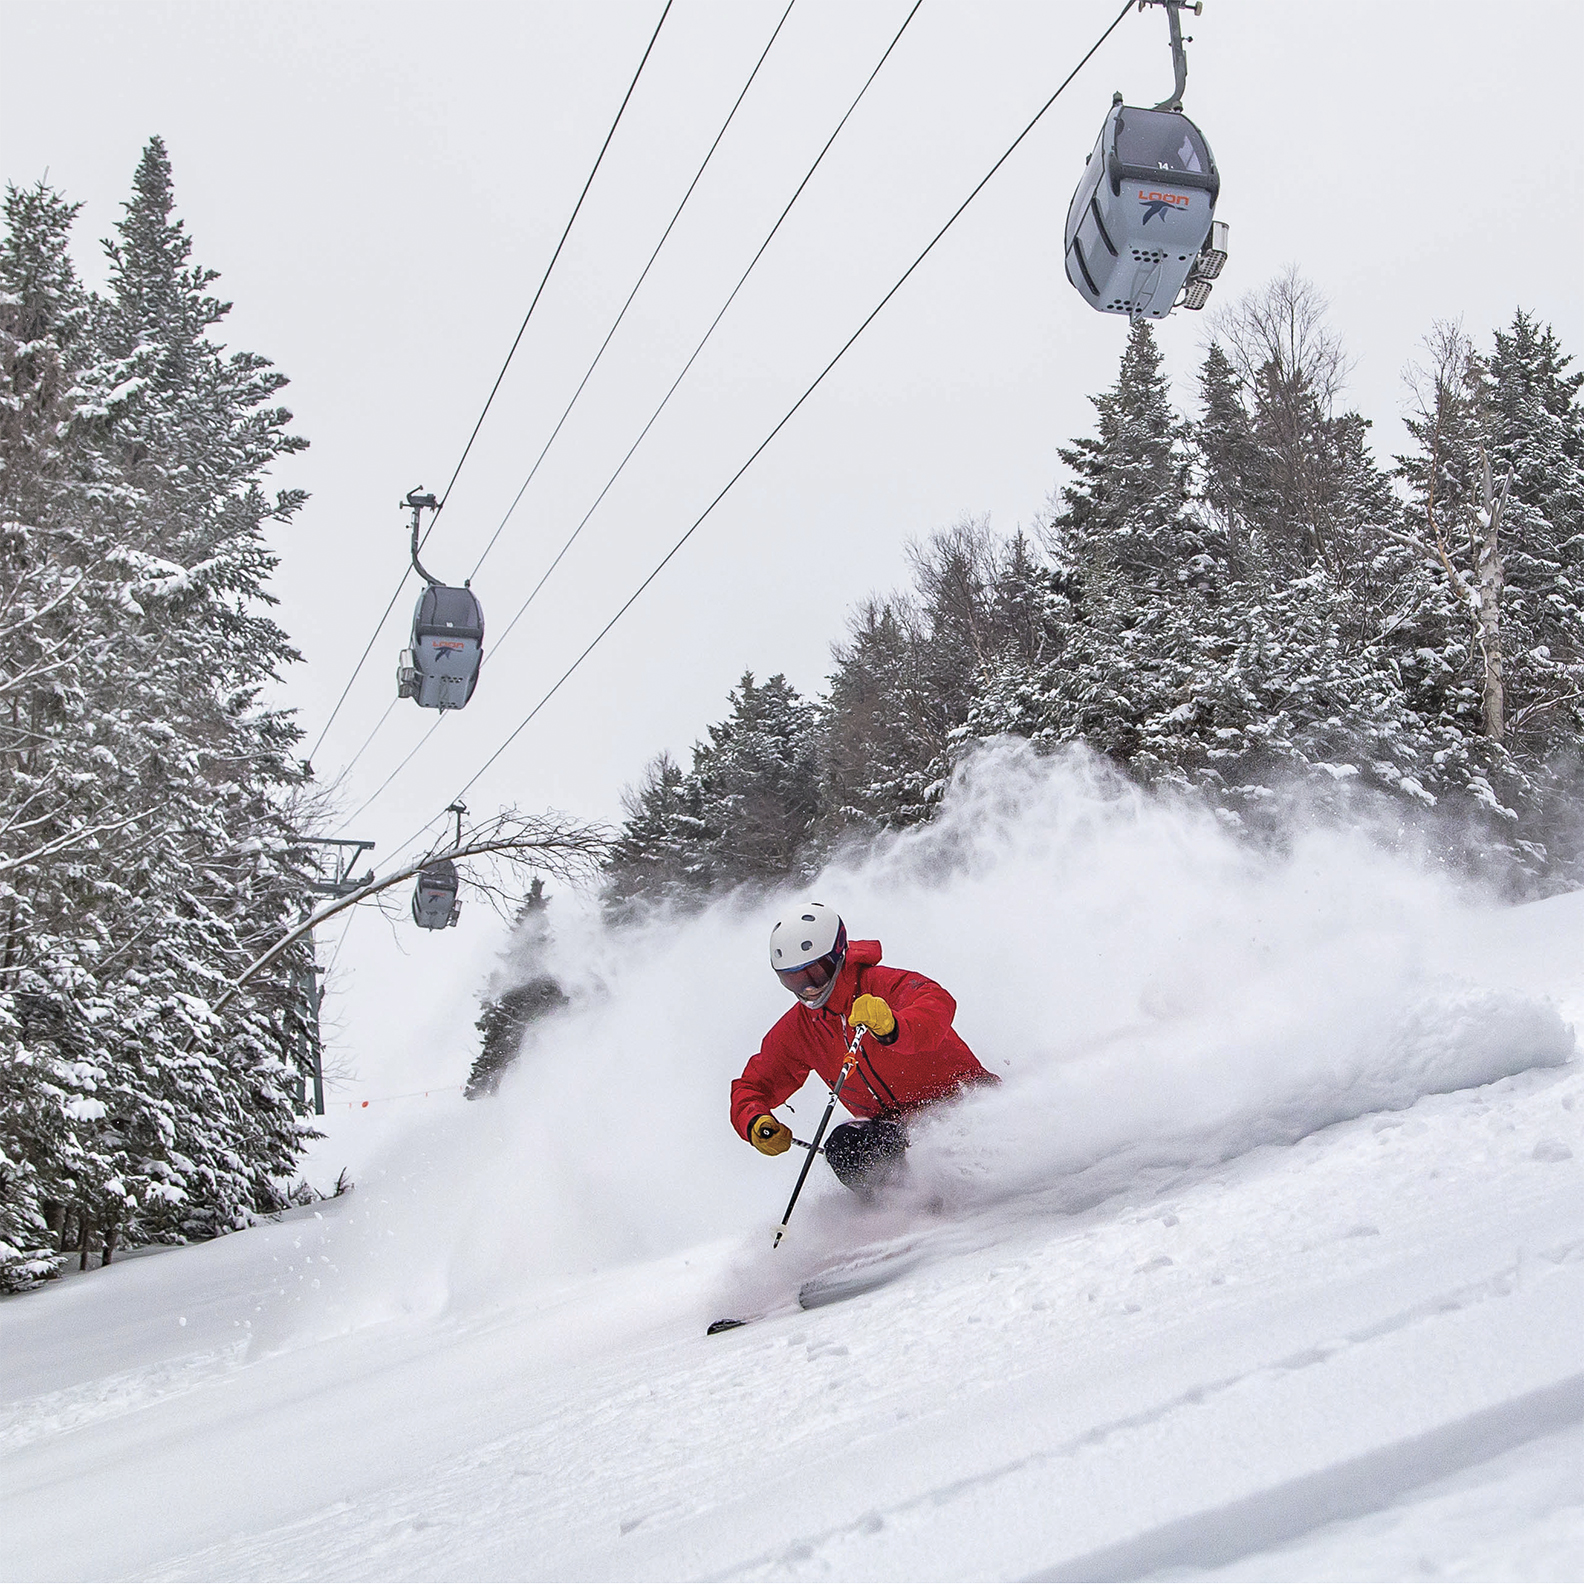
{"x":519,"y":840}
{"x":10,"y":683}
{"x":71,"y":839}
{"x":43,"y":610}
{"x":1283,"y":327}
{"x":1540,"y":707}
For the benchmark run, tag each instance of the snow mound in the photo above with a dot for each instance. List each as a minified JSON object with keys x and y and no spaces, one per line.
{"x":1166,"y":1100}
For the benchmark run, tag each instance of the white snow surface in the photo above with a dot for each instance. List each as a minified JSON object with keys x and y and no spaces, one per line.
{"x":1266,"y":1260}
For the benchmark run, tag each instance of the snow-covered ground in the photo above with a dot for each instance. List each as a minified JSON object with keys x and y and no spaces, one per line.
{"x":1266,"y":1261}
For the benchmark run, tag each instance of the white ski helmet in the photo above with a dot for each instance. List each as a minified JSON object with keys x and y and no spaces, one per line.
{"x":807,"y":950}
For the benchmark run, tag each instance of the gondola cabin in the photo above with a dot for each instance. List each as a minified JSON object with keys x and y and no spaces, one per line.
{"x":1141,"y":234}
{"x":434,"y":902}
{"x":440,"y":666}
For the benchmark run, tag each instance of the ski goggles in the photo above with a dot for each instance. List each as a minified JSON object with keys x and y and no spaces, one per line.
{"x":809,"y":982}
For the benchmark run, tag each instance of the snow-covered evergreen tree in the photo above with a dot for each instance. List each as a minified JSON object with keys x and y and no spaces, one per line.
{"x":164,"y":847}
{"x":740,"y":816}
{"x":1236,"y":606}
{"x":759,"y":783}
{"x":1221,"y":641}
{"x":1126,"y":607}
{"x":1126,"y":511}
{"x":1492,"y":631}
{"x":658,"y":857}
{"x":53,"y":818}
{"x":520,"y":993}
{"x":1233,"y":490}
{"x":879,"y":766}
{"x":1537,"y":436}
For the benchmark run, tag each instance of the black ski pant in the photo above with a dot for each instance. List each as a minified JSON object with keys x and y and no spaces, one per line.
{"x":866,"y":1155}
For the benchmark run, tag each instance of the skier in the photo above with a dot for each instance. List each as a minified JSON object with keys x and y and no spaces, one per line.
{"x":911,"y":1057}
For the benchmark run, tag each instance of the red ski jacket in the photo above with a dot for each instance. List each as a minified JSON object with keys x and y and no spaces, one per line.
{"x":925,"y":1060}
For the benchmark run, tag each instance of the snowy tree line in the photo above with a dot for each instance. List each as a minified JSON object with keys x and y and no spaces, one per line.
{"x":150,"y":842}
{"x":1241,"y":602}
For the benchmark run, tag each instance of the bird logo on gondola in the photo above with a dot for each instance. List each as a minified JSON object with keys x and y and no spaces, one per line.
{"x":1156,"y":206}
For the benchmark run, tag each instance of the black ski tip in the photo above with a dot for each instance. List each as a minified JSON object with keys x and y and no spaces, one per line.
{"x":724,"y":1325}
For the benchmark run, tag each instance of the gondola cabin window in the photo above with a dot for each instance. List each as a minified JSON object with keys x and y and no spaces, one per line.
{"x":1160,"y":140}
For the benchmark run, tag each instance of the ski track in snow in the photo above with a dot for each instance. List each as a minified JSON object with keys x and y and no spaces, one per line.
{"x":1228,"y":1365}
{"x":111,"y":1396}
{"x":1290,"y":1287}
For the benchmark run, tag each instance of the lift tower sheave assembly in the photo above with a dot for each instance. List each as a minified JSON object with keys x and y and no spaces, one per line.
{"x":343,"y":856}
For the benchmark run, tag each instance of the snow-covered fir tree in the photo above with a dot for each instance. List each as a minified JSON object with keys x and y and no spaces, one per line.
{"x":758,"y":778}
{"x":1126,"y":509}
{"x":520,"y":993}
{"x":51,"y":495}
{"x":1231,"y":638}
{"x":1238,"y":605}
{"x":658,"y":857}
{"x":153,"y":848}
{"x":1126,"y":613}
{"x":879,"y":766}
{"x":740,"y":815}
{"x":1537,"y":438}
{"x":1492,"y":633}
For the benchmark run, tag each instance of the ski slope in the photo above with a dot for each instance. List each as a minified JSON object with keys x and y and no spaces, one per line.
{"x":1266,"y":1261}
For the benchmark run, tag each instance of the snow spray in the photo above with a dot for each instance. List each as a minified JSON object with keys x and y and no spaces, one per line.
{"x":1157,"y":994}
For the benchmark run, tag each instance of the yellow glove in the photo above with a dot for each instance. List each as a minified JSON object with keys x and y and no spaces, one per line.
{"x":875,"y":1016}
{"x":770,"y":1137}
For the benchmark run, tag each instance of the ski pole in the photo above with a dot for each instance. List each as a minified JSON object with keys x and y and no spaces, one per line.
{"x":819,"y":1134}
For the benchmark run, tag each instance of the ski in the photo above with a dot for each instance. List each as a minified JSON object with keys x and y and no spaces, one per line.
{"x":855,"y":1279}
{"x":852,"y":1278}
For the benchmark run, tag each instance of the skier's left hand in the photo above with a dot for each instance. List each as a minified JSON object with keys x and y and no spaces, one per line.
{"x":875,"y":1016}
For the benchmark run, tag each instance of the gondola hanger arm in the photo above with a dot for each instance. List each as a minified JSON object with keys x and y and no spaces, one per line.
{"x":1179,"y":55}
{"x":419,"y":502}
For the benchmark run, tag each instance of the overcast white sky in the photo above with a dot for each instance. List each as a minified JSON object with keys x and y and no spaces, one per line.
{"x":381,"y":186}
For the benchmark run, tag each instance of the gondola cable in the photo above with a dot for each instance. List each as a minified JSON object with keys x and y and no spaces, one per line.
{"x":439,"y":668}
{"x":643,"y":276}
{"x":456,"y":472}
{"x":819,"y":379}
{"x":523,"y":327}
{"x":346,"y":769}
{"x":410,"y":756}
{"x":769,"y":237}
{"x":731,"y":114}
{"x":704,"y":340}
